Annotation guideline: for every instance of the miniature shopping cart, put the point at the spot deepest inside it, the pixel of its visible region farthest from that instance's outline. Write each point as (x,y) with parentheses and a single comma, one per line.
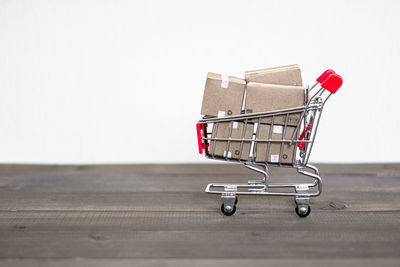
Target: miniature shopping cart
(293,148)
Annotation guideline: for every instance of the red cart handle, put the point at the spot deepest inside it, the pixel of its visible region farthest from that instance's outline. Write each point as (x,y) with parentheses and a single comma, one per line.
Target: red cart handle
(332,83)
(200,127)
(301,145)
(325,75)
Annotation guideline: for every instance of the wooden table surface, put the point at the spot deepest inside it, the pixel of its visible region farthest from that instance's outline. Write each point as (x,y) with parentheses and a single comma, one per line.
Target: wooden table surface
(159,215)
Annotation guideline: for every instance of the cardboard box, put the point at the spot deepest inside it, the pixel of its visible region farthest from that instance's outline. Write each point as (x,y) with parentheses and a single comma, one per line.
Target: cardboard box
(274,154)
(233,152)
(223,95)
(284,75)
(262,97)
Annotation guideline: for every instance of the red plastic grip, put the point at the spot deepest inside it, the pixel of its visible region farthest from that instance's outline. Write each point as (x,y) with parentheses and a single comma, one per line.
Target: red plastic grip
(199,128)
(325,75)
(301,145)
(332,83)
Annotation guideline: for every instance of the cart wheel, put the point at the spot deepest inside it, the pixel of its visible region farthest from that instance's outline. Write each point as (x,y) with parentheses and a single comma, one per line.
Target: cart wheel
(303,211)
(228,210)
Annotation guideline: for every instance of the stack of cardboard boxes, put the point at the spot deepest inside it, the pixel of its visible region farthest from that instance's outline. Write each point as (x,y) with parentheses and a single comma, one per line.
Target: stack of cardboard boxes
(261,91)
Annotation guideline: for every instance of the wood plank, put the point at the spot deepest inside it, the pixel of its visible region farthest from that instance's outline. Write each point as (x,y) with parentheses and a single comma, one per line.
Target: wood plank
(201,262)
(159,215)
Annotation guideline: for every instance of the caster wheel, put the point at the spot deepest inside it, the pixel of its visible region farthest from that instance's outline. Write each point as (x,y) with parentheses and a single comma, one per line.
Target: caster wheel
(228,210)
(303,211)
(236,200)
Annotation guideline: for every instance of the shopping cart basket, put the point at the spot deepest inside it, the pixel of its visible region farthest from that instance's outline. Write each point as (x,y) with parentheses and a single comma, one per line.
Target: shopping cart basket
(253,148)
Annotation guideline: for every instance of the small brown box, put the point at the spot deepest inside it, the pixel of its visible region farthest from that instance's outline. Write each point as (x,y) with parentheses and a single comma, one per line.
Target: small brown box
(262,97)
(285,75)
(234,146)
(223,95)
(274,153)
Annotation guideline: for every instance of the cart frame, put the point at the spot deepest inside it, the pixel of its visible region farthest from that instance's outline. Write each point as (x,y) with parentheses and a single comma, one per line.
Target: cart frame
(302,140)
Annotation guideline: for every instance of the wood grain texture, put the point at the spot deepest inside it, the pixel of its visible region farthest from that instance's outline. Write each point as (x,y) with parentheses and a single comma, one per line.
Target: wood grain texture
(158,215)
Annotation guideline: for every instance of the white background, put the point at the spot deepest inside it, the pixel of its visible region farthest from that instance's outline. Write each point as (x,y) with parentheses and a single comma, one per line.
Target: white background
(122,81)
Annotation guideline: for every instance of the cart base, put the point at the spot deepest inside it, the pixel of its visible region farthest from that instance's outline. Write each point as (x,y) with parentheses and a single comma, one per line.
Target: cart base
(301,192)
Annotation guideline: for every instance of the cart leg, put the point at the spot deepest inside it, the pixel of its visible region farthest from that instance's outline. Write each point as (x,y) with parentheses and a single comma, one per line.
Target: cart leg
(264,181)
(229,201)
